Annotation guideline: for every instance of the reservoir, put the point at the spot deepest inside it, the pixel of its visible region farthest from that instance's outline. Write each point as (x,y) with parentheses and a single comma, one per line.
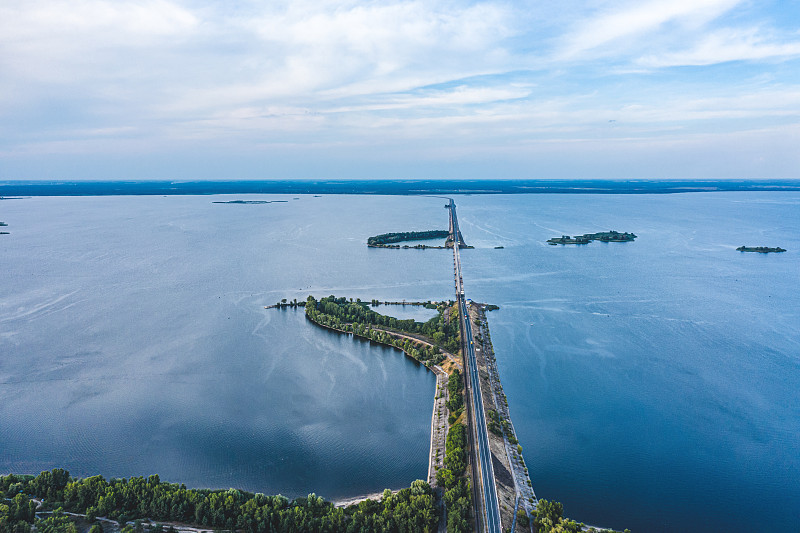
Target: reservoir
(653,384)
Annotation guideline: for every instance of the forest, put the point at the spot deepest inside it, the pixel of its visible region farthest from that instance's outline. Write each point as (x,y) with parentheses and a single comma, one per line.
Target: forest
(357,318)
(125,500)
(392,238)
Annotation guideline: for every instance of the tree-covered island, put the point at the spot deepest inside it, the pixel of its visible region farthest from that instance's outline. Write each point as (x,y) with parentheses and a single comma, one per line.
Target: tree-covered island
(760,249)
(586,238)
(390,240)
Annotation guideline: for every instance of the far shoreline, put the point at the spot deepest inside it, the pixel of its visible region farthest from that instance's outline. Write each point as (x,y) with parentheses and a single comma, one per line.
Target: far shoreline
(27,188)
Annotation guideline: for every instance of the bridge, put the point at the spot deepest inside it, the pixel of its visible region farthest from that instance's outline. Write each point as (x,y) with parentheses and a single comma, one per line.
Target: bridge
(455,233)
(487,509)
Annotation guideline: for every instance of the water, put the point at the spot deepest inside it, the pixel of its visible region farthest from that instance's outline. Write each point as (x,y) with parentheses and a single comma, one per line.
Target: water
(135,341)
(653,385)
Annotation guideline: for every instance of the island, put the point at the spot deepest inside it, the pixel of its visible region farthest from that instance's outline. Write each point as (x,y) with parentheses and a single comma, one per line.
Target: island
(252,202)
(586,238)
(389,240)
(759,249)
(566,239)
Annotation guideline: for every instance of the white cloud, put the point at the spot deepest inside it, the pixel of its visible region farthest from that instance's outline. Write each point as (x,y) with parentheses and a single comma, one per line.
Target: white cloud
(637,20)
(725,45)
(49,39)
(84,75)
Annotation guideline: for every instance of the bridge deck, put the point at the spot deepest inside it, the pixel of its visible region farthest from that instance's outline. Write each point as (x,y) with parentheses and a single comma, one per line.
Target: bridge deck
(486,503)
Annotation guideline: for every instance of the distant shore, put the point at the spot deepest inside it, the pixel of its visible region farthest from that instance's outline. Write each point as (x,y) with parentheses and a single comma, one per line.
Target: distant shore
(404,187)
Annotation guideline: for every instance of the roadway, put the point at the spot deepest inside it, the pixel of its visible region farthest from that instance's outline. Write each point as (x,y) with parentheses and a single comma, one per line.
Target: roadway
(482,456)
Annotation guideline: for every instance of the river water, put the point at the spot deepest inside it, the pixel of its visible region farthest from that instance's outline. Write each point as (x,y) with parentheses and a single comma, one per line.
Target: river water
(653,385)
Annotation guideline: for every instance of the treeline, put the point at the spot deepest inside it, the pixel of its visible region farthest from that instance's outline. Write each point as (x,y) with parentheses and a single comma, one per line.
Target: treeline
(549,518)
(455,402)
(356,317)
(457,493)
(391,238)
(411,509)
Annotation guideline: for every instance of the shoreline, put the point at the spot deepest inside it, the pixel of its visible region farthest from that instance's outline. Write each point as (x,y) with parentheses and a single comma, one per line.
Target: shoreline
(439,425)
(16,188)
(354,500)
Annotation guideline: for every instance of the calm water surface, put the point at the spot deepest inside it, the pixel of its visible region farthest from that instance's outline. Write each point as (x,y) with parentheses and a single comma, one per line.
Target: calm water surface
(654,385)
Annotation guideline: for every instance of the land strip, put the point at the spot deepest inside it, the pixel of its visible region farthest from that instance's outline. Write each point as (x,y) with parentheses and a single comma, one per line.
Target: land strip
(487,509)
(514,487)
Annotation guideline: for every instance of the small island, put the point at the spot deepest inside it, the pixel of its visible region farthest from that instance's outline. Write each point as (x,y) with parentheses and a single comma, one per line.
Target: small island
(389,240)
(759,249)
(566,239)
(586,238)
(252,202)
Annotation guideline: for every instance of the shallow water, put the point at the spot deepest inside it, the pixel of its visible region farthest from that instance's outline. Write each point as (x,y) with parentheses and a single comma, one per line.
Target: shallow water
(653,385)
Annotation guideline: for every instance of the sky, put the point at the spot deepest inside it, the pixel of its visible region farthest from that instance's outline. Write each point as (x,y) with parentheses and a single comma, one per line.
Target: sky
(204,89)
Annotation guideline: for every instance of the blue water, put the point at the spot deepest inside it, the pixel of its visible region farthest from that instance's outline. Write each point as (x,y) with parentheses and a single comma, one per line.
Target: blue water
(653,385)
(134,340)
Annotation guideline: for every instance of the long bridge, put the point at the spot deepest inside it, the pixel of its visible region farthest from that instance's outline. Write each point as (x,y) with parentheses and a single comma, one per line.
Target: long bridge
(487,508)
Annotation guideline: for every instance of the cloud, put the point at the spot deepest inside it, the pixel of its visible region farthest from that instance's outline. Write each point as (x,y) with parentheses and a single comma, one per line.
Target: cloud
(253,77)
(600,31)
(54,40)
(723,46)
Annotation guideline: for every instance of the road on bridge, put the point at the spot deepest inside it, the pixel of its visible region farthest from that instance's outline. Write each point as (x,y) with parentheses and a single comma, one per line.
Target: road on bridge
(487,505)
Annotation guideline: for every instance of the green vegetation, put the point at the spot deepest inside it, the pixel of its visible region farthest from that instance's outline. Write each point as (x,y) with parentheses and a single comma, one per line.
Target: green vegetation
(494,422)
(759,249)
(411,509)
(386,240)
(285,303)
(253,202)
(549,518)
(457,495)
(357,318)
(566,239)
(610,236)
(605,236)
(455,403)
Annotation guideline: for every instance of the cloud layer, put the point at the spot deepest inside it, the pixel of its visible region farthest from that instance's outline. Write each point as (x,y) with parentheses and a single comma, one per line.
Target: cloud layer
(249,89)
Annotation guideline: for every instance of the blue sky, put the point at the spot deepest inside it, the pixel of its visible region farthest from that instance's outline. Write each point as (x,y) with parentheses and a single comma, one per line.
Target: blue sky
(201,89)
